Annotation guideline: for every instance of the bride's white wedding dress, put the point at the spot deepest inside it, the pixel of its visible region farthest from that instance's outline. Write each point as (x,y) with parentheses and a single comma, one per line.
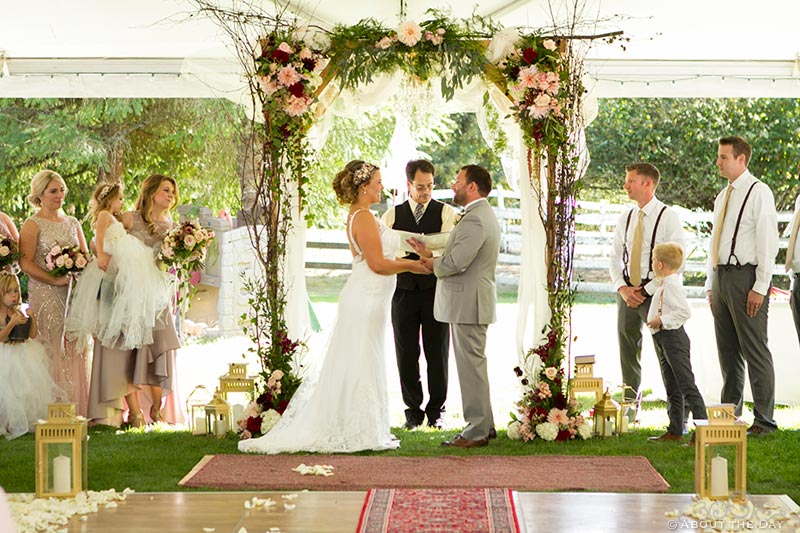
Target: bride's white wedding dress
(344,407)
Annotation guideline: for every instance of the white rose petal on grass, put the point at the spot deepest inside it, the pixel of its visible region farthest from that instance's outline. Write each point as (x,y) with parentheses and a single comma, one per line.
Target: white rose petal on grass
(289,496)
(209,529)
(289,506)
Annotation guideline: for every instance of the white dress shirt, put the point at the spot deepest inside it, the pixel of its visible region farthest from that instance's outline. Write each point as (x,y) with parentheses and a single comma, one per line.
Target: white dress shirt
(796,254)
(670,229)
(670,298)
(757,240)
(448,219)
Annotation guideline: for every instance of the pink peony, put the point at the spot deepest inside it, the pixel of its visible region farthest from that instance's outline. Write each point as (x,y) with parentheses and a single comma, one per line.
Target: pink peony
(384,43)
(409,33)
(528,77)
(541,100)
(558,417)
(296,106)
(268,85)
(288,76)
(305,53)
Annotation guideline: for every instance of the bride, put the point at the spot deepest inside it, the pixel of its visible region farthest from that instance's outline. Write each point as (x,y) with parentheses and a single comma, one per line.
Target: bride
(344,406)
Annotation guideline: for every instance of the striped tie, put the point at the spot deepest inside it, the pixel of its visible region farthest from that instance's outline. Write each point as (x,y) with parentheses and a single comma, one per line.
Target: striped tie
(418,213)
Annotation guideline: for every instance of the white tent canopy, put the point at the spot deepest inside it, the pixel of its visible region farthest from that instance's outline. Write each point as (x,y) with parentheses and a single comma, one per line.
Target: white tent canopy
(152,48)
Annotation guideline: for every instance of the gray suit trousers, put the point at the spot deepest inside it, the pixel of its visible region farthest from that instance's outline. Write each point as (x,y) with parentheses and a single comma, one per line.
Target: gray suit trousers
(740,340)
(469,343)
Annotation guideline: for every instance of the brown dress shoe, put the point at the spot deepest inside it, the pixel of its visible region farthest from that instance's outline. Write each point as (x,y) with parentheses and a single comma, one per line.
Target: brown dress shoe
(667,437)
(492,434)
(461,442)
(757,430)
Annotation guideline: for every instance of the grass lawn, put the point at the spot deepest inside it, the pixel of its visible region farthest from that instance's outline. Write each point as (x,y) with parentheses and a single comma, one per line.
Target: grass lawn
(155,461)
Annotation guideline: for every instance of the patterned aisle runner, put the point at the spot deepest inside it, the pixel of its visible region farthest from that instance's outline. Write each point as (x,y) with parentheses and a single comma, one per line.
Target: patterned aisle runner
(438,511)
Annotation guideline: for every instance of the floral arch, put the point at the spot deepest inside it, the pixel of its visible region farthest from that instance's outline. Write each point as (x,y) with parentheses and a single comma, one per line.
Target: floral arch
(295,73)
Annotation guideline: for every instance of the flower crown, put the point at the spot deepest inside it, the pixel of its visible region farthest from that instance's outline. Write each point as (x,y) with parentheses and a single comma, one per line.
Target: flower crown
(363,173)
(104,192)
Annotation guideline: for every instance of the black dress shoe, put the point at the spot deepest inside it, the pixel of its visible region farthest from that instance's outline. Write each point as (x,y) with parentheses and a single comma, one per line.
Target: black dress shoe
(411,424)
(757,430)
(492,434)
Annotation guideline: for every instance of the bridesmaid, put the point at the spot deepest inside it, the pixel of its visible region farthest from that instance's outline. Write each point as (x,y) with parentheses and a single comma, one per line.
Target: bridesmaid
(47,294)
(118,374)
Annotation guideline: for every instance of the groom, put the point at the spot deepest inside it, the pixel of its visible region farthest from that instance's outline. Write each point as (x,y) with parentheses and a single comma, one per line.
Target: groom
(466,298)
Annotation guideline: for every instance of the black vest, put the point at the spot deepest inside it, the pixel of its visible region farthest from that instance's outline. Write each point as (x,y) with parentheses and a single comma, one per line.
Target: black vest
(431,222)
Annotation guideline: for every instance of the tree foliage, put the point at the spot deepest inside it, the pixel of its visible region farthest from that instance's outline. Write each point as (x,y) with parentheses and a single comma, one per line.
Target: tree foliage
(89,140)
(680,137)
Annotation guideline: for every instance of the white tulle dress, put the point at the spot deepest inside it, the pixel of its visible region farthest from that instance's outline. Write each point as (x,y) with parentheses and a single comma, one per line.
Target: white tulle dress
(342,406)
(25,387)
(119,307)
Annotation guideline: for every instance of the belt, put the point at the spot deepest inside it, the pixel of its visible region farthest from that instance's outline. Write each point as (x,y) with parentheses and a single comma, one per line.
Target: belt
(730,266)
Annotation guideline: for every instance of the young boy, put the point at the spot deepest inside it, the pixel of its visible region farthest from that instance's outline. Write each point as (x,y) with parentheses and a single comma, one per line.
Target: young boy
(668,312)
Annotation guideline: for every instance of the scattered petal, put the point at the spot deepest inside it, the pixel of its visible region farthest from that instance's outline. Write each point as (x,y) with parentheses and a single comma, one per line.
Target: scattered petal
(289,496)
(209,529)
(289,506)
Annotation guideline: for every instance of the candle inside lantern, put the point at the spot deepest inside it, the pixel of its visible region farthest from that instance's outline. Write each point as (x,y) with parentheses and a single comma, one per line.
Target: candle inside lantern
(623,427)
(62,475)
(719,477)
(200,425)
(608,430)
(221,426)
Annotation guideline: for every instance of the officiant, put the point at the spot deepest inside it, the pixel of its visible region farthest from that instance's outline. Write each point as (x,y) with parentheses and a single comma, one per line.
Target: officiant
(412,303)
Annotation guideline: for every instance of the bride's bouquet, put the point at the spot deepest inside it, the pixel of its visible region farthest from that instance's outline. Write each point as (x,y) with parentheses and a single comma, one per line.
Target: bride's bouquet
(9,254)
(63,260)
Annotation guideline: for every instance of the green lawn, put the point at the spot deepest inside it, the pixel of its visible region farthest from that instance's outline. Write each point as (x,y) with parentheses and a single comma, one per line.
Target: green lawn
(156,461)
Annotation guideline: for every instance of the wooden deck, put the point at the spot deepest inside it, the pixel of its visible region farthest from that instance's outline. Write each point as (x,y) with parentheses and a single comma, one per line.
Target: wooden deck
(328,512)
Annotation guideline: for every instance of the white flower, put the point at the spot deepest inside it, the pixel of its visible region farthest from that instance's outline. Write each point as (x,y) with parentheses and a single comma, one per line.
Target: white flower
(268,420)
(502,44)
(547,431)
(550,44)
(513,430)
(585,431)
(551,372)
(409,33)
(4,250)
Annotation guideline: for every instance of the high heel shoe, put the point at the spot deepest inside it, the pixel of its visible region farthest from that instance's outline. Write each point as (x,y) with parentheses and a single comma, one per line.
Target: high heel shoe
(155,414)
(136,419)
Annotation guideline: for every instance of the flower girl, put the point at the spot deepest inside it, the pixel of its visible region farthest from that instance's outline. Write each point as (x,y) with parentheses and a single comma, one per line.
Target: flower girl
(27,387)
(119,296)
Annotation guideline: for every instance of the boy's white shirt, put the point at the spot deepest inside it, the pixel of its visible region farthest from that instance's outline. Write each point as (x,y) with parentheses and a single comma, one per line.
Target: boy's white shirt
(675,309)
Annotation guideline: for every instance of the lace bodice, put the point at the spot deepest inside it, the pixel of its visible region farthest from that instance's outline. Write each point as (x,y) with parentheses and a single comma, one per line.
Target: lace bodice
(51,233)
(140,230)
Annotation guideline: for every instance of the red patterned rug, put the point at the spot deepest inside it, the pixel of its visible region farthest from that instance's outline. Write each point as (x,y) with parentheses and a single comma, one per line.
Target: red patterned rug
(438,511)
(353,472)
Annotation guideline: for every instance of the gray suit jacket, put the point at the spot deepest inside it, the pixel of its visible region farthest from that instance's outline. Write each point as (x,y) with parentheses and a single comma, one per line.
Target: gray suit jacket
(466,292)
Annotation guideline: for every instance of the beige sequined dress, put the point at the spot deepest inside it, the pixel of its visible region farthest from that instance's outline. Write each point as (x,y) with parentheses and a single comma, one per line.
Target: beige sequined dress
(116,373)
(68,364)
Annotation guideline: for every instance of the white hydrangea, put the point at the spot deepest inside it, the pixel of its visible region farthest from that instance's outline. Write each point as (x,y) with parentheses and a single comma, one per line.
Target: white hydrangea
(513,430)
(547,431)
(269,418)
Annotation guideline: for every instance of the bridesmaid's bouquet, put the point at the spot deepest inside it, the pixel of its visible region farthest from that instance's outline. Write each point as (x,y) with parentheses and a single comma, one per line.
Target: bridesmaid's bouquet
(185,247)
(183,253)
(62,260)
(9,253)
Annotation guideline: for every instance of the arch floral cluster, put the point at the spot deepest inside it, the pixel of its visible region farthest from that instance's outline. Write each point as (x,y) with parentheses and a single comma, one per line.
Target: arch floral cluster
(292,69)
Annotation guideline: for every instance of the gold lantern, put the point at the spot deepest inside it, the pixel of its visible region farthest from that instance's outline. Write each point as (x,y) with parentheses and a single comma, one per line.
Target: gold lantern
(606,414)
(711,479)
(236,380)
(61,455)
(195,409)
(628,406)
(218,416)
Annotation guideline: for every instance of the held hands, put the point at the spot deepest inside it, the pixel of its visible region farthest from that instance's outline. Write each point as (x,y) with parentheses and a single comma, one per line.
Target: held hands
(421,266)
(633,296)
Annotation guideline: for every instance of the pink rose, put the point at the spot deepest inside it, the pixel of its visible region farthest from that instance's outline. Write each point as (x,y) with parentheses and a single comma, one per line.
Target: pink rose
(550,372)
(68,262)
(4,251)
(80,261)
(60,261)
(189,241)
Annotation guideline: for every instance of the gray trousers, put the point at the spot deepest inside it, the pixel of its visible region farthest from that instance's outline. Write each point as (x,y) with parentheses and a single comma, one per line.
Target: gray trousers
(676,371)
(740,340)
(469,343)
(629,334)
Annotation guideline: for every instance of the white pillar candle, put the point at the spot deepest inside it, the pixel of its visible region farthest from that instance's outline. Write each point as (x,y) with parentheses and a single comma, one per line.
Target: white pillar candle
(719,477)
(623,427)
(221,425)
(608,429)
(62,475)
(200,425)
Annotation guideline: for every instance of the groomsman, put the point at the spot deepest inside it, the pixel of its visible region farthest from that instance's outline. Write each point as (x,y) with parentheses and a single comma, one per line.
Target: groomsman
(639,229)
(744,243)
(793,264)
(412,303)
